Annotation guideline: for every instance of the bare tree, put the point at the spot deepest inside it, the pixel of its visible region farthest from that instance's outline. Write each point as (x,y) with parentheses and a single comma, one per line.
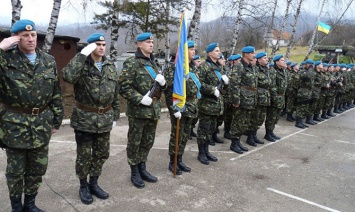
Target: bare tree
(48,40)
(276,46)
(114,30)
(270,27)
(16,11)
(292,43)
(167,35)
(195,22)
(237,23)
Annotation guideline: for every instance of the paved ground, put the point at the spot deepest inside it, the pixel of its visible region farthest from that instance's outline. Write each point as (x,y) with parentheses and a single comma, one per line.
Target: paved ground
(307,170)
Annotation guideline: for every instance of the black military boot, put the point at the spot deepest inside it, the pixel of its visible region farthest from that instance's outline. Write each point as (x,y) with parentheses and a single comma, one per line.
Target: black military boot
(211,141)
(209,156)
(171,166)
(30,205)
(324,115)
(330,113)
(316,117)
(250,139)
(202,155)
(290,117)
(95,188)
(256,139)
(268,136)
(275,136)
(306,126)
(243,148)
(351,105)
(145,174)
(336,109)
(345,107)
(310,121)
(84,192)
(216,139)
(340,108)
(182,165)
(16,204)
(136,178)
(299,123)
(235,147)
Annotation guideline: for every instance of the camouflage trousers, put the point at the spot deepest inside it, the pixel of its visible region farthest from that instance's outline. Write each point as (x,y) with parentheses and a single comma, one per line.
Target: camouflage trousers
(272,117)
(228,116)
(184,132)
(207,125)
(92,151)
(259,116)
(241,121)
(338,99)
(141,135)
(194,122)
(290,104)
(25,168)
(328,103)
(320,103)
(302,110)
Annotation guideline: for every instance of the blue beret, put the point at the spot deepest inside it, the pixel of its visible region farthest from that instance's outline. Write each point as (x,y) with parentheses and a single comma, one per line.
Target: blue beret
(23,25)
(309,61)
(210,47)
(248,49)
(278,57)
(196,57)
(325,64)
(190,44)
(289,63)
(260,55)
(343,65)
(271,64)
(293,64)
(96,37)
(234,57)
(336,65)
(221,56)
(303,62)
(144,36)
(330,64)
(317,63)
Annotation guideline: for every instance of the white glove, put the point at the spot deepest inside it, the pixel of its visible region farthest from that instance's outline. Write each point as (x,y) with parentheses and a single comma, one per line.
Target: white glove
(177,115)
(160,79)
(225,79)
(146,100)
(114,124)
(88,49)
(216,92)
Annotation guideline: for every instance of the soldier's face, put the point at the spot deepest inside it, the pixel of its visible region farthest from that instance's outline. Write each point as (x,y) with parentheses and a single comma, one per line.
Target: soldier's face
(28,41)
(331,68)
(100,49)
(191,53)
(249,57)
(263,61)
(146,46)
(281,63)
(296,68)
(215,54)
(222,61)
(197,62)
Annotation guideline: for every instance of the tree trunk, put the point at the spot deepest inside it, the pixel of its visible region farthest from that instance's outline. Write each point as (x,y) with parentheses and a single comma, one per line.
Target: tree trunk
(167,36)
(276,46)
(236,27)
(291,44)
(271,28)
(48,40)
(195,22)
(311,42)
(16,11)
(114,31)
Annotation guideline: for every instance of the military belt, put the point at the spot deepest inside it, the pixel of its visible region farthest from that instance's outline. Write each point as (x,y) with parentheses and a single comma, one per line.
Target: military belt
(190,98)
(99,110)
(248,88)
(32,111)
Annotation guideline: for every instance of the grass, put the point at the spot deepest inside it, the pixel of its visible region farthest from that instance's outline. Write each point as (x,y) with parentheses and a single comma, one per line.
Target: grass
(297,54)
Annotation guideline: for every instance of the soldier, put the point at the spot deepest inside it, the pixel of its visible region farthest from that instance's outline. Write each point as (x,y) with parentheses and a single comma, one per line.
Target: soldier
(33,111)
(95,81)
(243,89)
(143,106)
(288,72)
(330,94)
(316,94)
(192,95)
(291,91)
(304,93)
(210,106)
(321,106)
(197,62)
(277,91)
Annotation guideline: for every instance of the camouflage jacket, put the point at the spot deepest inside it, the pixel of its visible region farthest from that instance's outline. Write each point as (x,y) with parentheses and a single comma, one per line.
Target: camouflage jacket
(292,83)
(135,82)
(243,85)
(94,88)
(24,85)
(340,84)
(191,92)
(318,81)
(278,88)
(264,84)
(349,85)
(305,84)
(209,103)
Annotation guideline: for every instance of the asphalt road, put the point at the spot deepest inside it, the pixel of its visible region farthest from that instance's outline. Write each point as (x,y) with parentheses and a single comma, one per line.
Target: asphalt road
(307,170)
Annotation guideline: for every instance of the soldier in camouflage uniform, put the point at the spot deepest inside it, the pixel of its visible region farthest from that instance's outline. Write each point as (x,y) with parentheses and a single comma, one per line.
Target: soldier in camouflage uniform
(186,117)
(304,94)
(316,94)
(352,93)
(324,92)
(210,106)
(329,100)
(349,88)
(95,81)
(243,89)
(277,91)
(292,79)
(197,62)
(33,111)
(138,75)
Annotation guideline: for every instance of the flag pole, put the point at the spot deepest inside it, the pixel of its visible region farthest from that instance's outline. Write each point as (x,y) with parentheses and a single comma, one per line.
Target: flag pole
(177,134)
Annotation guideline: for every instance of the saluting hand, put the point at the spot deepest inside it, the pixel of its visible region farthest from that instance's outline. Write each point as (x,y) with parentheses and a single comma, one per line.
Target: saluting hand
(8,42)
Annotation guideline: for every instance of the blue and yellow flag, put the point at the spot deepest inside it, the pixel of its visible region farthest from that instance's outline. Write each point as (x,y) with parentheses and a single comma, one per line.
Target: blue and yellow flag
(181,68)
(323,27)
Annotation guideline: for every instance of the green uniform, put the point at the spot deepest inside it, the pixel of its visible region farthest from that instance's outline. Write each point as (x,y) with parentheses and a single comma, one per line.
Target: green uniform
(316,93)
(32,100)
(135,82)
(293,80)
(93,89)
(304,94)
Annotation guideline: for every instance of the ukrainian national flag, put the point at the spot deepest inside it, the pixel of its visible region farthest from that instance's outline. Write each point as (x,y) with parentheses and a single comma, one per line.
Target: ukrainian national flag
(181,68)
(323,27)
